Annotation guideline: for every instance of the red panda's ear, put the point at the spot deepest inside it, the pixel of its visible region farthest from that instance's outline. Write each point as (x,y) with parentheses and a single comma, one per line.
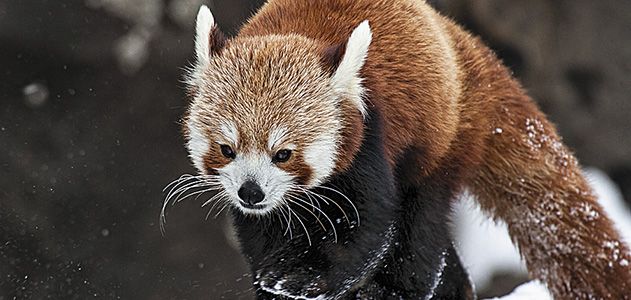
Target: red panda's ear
(332,56)
(346,62)
(209,40)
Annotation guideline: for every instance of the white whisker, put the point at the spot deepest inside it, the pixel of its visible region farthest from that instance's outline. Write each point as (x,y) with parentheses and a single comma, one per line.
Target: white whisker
(222,208)
(180,189)
(185,194)
(301,223)
(318,219)
(346,198)
(182,178)
(219,200)
(288,218)
(218,195)
(280,209)
(324,198)
(289,214)
(293,200)
(200,193)
(177,189)
(187,177)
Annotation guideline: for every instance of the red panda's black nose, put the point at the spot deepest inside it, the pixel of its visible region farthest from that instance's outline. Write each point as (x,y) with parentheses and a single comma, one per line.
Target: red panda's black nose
(251,193)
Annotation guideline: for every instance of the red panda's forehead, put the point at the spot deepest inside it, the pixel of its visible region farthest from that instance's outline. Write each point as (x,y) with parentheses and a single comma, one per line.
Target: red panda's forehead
(266,85)
(266,69)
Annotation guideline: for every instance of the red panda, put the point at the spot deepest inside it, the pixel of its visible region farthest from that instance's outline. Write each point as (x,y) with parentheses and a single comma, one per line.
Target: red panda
(282,108)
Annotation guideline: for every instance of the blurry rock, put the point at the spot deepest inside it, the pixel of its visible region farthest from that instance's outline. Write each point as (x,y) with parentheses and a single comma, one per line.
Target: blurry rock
(35,94)
(132,50)
(183,12)
(146,13)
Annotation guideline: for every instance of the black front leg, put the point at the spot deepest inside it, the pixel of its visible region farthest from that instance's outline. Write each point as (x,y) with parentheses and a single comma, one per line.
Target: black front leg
(329,271)
(422,263)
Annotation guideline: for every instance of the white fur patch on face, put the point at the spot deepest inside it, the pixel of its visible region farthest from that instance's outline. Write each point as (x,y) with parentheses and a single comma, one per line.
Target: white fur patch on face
(346,80)
(257,167)
(230,133)
(276,137)
(320,155)
(197,145)
(205,24)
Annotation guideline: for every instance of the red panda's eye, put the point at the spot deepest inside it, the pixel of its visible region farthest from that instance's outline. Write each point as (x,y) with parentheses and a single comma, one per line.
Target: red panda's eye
(282,155)
(227,151)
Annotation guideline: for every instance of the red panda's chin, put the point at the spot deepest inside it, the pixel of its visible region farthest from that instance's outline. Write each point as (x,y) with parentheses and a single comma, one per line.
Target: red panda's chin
(256,209)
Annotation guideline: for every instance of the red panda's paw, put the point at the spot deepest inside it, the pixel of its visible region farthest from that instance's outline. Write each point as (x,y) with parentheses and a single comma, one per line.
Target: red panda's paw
(296,283)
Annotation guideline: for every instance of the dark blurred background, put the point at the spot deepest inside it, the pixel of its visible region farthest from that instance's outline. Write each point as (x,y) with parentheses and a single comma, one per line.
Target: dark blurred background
(91,95)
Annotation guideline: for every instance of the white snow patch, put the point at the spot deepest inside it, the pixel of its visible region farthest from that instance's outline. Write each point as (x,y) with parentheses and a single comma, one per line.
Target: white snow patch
(284,293)
(484,246)
(610,197)
(533,290)
(279,285)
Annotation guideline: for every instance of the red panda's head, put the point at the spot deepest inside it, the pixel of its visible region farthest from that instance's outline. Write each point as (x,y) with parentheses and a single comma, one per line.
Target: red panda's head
(267,113)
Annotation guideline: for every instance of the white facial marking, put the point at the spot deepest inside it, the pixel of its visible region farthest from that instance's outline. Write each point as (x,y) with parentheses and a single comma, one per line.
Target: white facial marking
(230,133)
(205,24)
(197,145)
(346,80)
(276,137)
(320,155)
(257,167)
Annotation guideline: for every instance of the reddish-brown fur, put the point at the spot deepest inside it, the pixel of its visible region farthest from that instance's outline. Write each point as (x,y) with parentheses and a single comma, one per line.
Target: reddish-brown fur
(443,92)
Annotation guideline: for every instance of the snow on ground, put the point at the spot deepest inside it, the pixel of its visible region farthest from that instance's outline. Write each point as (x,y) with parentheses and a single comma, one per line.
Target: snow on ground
(533,290)
(611,199)
(485,247)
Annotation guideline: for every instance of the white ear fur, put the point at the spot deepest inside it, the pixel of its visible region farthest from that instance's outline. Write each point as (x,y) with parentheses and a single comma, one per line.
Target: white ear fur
(346,79)
(205,24)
